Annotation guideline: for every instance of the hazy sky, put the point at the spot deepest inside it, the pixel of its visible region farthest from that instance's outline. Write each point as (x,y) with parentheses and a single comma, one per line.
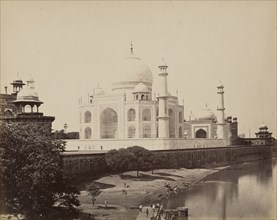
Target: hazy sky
(70,46)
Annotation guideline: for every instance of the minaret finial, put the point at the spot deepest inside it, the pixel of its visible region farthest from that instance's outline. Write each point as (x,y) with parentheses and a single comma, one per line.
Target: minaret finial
(163,62)
(132,48)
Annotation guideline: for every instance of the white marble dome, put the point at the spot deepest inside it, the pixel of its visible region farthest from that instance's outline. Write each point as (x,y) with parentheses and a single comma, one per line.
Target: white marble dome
(28,93)
(141,88)
(206,114)
(130,71)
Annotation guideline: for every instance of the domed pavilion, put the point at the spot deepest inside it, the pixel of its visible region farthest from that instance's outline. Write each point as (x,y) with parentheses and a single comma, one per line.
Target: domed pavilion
(27,105)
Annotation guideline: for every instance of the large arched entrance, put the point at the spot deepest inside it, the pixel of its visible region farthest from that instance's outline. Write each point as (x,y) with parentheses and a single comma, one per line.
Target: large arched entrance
(201,133)
(108,123)
(171,123)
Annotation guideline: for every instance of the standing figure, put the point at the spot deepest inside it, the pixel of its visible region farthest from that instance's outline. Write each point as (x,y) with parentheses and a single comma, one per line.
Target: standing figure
(106,203)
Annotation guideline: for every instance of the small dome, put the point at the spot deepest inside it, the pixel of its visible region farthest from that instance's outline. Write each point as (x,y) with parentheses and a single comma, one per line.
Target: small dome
(28,93)
(98,91)
(206,114)
(141,88)
(263,126)
(192,117)
(17,82)
(220,85)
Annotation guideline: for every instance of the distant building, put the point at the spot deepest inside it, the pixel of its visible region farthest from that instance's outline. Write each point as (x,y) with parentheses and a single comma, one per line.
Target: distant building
(202,126)
(205,125)
(22,105)
(263,137)
(131,114)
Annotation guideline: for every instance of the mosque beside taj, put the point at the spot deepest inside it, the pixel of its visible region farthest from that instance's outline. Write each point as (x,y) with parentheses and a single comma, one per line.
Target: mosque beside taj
(132,114)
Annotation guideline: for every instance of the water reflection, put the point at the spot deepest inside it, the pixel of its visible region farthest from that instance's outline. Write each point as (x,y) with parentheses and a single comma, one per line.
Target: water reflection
(242,191)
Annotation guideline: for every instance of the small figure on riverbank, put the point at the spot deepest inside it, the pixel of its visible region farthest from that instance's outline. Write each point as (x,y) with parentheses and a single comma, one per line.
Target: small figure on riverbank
(140,207)
(124,192)
(147,212)
(161,210)
(172,217)
(106,203)
(124,185)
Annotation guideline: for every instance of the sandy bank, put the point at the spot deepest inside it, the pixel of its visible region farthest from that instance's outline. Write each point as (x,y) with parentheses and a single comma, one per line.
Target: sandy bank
(144,190)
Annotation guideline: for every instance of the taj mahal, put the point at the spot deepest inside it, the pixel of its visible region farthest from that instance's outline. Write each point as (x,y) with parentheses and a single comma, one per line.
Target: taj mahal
(132,114)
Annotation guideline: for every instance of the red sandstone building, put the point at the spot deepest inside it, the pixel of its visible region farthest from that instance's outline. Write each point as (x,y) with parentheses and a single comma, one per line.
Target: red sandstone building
(22,105)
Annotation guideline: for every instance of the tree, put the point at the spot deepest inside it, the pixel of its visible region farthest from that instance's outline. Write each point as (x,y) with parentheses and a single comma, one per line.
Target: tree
(133,158)
(157,161)
(118,160)
(94,191)
(59,134)
(140,159)
(65,135)
(31,178)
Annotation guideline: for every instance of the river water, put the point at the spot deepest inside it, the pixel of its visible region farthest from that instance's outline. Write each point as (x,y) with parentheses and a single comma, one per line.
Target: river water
(244,191)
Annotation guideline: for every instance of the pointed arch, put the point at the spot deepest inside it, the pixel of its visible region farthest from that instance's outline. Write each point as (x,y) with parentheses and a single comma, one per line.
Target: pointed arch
(131,114)
(87,133)
(108,123)
(171,115)
(180,132)
(87,117)
(201,133)
(180,117)
(146,114)
(131,131)
(146,131)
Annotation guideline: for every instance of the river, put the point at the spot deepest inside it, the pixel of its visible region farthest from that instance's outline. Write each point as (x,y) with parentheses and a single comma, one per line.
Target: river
(243,191)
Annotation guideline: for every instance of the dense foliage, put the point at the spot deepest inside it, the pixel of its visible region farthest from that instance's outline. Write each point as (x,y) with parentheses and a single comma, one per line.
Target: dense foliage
(65,135)
(31,179)
(133,158)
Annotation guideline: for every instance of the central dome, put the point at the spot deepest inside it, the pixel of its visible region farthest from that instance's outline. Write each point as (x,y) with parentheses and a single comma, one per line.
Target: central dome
(206,114)
(131,71)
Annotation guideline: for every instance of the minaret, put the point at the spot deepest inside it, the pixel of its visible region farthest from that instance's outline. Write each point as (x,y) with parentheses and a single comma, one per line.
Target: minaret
(163,96)
(220,109)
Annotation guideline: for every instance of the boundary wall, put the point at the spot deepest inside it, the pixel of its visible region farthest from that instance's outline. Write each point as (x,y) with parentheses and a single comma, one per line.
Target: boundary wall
(79,166)
(148,143)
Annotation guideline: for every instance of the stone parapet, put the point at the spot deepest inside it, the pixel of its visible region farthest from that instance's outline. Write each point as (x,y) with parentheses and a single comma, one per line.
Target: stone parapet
(148,143)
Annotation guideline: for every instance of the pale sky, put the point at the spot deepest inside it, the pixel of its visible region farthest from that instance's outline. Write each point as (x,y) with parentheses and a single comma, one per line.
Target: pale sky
(70,46)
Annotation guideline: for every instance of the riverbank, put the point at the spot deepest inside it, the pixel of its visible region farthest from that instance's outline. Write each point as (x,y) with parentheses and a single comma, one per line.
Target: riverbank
(125,192)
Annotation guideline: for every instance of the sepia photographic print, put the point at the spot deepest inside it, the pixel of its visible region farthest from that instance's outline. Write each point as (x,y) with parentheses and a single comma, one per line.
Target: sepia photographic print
(138,110)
